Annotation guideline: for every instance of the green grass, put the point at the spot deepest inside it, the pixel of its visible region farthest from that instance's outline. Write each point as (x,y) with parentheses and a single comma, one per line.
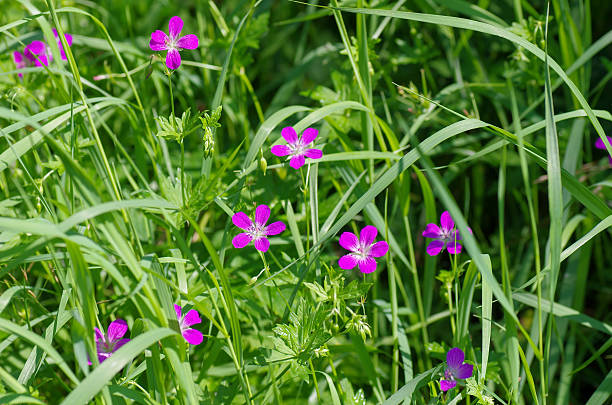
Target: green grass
(111,208)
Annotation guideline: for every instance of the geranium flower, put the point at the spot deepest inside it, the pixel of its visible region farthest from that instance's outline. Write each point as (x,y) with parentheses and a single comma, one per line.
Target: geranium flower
(59,43)
(20,61)
(192,336)
(364,250)
(298,147)
(258,231)
(444,235)
(37,54)
(600,145)
(455,369)
(108,344)
(173,44)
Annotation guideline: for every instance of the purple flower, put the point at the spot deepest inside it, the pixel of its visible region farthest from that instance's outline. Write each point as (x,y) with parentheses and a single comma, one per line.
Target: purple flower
(59,43)
(192,336)
(113,340)
(600,145)
(364,250)
(20,62)
(298,147)
(173,44)
(445,236)
(455,369)
(37,53)
(257,231)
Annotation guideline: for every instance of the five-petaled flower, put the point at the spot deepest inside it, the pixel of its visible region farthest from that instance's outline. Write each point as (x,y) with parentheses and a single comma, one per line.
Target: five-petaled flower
(298,148)
(192,336)
(455,369)
(363,250)
(258,231)
(173,44)
(113,340)
(445,235)
(599,144)
(37,53)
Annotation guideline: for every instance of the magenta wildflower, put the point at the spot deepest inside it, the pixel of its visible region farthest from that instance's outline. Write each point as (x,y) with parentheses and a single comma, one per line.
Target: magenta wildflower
(599,144)
(37,54)
(364,250)
(258,231)
(59,43)
(173,44)
(298,147)
(455,369)
(113,340)
(192,336)
(445,235)
(20,62)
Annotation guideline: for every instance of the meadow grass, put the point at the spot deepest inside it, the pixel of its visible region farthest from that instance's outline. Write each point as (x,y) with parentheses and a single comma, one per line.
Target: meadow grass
(125,182)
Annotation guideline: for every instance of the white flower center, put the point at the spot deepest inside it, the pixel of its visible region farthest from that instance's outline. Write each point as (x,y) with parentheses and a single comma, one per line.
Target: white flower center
(257,231)
(298,148)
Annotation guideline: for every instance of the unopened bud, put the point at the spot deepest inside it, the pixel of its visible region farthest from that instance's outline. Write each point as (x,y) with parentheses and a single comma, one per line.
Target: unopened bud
(263,164)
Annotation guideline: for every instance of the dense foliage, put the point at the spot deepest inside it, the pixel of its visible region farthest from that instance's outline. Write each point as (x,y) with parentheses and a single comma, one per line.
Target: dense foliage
(273,201)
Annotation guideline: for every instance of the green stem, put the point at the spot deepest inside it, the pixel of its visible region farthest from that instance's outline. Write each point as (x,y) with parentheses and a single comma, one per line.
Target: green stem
(314,377)
(183,197)
(171,95)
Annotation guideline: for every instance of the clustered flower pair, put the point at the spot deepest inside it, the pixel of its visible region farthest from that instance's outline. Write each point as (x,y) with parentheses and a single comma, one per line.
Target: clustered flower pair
(363,249)
(109,343)
(38,53)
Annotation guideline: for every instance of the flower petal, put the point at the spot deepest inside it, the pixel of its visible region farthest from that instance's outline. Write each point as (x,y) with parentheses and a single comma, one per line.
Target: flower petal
(464,371)
(173,59)
(275,228)
(99,335)
(297,161)
(193,336)
(289,134)
(435,247)
(349,241)
(367,235)
(454,358)
(446,385)
(175,26)
(309,135)
(314,153)
(68,37)
(188,42)
(158,41)
(241,220)
(347,262)
(192,317)
(179,311)
(241,240)
(103,356)
(446,221)
(379,249)
(453,248)
(262,244)
(281,150)
(36,53)
(432,231)
(262,214)
(116,330)
(368,265)
(18,58)
(120,343)
(599,144)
